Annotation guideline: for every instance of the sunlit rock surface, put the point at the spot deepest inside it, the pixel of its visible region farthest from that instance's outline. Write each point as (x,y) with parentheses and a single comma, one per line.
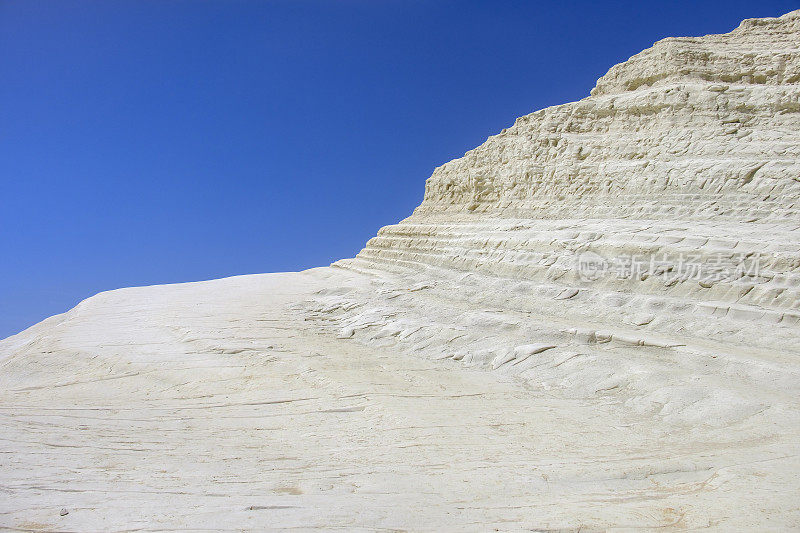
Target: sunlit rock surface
(592,321)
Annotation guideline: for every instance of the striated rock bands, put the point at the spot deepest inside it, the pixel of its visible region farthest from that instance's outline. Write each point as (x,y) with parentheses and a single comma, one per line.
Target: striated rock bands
(679,178)
(591,322)
(677,131)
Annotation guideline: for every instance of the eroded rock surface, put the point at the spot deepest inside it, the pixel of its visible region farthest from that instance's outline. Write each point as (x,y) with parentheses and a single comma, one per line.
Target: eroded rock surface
(592,321)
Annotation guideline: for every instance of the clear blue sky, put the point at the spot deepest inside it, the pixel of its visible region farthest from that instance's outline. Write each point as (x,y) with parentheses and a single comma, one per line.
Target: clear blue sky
(146,142)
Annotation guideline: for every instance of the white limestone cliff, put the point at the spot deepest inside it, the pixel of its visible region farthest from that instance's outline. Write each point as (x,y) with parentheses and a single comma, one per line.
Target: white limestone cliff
(591,321)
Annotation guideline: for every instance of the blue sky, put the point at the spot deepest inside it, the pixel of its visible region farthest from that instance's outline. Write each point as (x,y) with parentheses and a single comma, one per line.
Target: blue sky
(146,142)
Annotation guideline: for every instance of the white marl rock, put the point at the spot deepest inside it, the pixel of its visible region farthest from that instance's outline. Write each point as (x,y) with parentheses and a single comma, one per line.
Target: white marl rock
(591,322)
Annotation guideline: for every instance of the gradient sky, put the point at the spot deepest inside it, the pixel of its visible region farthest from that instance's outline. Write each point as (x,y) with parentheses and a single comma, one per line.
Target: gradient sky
(146,142)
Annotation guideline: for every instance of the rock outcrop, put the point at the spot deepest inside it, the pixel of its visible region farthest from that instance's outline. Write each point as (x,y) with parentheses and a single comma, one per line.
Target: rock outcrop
(596,313)
(663,210)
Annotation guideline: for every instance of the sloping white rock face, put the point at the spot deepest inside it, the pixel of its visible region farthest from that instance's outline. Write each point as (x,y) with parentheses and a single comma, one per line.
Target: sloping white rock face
(592,321)
(663,211)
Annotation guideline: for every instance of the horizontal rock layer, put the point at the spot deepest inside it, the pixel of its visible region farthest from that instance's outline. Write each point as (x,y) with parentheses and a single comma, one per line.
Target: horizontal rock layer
(592,321)
(673,191)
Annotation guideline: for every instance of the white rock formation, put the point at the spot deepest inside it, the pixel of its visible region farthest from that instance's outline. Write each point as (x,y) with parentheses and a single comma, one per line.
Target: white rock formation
(592,321)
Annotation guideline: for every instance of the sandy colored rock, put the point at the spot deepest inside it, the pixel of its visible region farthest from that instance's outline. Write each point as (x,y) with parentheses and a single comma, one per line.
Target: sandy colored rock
(591,322)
